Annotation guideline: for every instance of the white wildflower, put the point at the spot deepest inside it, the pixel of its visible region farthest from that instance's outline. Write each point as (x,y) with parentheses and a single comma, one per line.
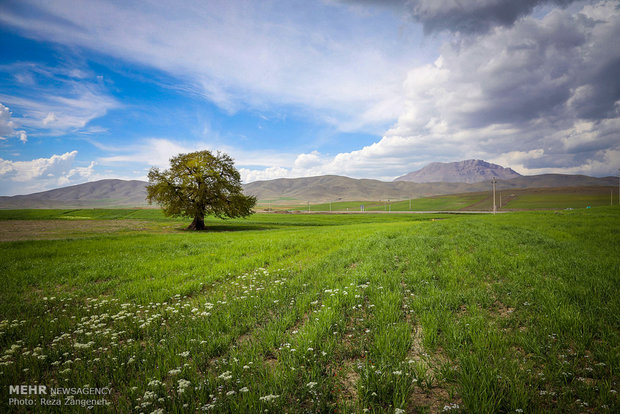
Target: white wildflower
(269,397)
(149,395)
(225,376)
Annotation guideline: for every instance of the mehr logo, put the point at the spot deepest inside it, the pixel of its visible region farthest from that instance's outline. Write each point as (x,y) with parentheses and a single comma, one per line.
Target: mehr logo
(27,389)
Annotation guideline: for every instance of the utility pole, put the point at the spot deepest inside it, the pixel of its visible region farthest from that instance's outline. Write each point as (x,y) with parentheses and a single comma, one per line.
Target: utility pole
(308,206)
(494,207)
(409,204)
(330,206)
(500,200)
(619,187)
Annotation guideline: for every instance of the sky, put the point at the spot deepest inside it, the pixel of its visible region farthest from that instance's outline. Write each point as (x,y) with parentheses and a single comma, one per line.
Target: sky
(91,90)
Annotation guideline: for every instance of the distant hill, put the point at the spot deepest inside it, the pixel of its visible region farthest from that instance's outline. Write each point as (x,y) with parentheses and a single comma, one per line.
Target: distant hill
(96,194)
(468,171)
(119,193)
(338,188)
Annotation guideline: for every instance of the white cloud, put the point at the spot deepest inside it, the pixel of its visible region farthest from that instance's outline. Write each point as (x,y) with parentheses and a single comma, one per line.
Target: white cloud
(69,113)
(7,125)
(50,118)
(534,93)
(598,166)
(24,177)
(155,152)
(516,159)
(305,161)
(271,173)
(56,101)
(530,96)
(345,68)
(24,171)
(537,96)
(23,137)
(79,173)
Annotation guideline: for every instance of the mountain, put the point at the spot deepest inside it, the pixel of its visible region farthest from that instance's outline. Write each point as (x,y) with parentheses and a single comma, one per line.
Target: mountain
(119,193)
(468,171)
(337,188)
(96,194)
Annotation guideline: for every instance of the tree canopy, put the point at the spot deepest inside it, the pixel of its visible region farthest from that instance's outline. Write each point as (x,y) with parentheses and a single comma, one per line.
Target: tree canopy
(199,184)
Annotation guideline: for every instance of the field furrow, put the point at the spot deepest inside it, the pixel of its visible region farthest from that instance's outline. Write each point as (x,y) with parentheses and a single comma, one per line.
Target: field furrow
(468,314)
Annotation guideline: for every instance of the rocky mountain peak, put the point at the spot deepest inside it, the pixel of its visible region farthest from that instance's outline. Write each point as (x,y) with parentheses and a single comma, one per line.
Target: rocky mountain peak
(468,171)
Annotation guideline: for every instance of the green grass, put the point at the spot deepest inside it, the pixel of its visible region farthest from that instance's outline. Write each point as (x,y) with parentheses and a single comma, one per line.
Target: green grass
(560,200)
(438,203)
(517,199)
(320,313)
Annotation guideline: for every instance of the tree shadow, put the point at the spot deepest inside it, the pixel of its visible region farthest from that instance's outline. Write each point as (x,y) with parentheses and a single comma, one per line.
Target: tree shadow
(227,228)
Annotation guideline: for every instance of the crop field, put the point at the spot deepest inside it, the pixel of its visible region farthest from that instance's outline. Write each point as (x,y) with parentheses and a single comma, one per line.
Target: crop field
(516,199)
(447,202)
(305,313)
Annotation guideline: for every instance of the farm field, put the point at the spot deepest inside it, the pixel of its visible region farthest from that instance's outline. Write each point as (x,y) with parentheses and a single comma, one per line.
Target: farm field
(514,199)
(293,313)
(447,202)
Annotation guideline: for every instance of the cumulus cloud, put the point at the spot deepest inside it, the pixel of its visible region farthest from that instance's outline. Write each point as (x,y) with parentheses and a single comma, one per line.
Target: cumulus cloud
(271,173)
(23,177)
(540,96)
(306,161)
(8,125)
(539,85)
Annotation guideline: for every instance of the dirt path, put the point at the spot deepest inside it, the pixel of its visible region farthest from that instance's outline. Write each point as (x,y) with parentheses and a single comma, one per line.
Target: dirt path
(14,230)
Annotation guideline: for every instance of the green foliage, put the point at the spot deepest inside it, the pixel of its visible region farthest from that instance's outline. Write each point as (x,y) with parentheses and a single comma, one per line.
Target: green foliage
(199,184)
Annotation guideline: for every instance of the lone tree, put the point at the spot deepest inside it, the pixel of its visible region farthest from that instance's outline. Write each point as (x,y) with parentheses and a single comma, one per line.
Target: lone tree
(199,184)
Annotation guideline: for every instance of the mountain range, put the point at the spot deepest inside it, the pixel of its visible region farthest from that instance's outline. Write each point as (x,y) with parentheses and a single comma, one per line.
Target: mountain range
(474,176)
(101,194)
(337,188)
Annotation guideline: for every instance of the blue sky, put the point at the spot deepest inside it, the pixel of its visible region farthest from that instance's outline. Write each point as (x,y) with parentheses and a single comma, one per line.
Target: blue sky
(367,89)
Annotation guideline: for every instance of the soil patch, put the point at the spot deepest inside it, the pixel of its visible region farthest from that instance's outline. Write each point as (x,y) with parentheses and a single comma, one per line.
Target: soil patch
(15,230)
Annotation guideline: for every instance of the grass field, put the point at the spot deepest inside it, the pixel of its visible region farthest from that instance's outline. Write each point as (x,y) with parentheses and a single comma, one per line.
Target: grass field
(517,199)
(291,313)
(447,202)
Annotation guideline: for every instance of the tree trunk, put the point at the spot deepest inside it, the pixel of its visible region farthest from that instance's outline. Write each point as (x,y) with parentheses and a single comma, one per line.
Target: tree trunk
(197,224)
